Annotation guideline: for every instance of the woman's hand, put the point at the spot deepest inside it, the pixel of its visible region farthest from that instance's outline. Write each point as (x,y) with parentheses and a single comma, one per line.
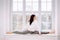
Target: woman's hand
(40,33)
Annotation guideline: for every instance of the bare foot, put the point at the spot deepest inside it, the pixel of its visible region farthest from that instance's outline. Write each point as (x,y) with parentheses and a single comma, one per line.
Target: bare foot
(9,32)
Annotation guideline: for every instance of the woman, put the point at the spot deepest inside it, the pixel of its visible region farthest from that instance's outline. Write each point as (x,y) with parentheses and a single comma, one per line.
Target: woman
(33,24)
(32,27)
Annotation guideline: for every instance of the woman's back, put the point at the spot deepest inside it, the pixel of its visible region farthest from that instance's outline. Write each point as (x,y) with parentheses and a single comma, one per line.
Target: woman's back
(34,26)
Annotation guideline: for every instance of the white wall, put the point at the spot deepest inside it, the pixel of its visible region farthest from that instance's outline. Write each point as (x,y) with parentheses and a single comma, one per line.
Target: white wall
(5,13)
(58,19)
(58,16)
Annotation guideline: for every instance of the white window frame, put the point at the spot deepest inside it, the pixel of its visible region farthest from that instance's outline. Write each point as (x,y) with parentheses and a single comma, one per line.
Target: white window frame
(54,3)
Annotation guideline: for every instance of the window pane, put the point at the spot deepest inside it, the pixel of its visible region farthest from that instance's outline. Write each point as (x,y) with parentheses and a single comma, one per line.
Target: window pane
(15,6)
(14,0)
(20,6)
(35,6)
(43,6)
(46,0)
(49,6)
(46,17)
(35,0)
(46,21)
(29,1)
(17,22)
(20,0)
(31,5)
(43,0)
(49,0)
(46,26)
(28,6)
(46,6)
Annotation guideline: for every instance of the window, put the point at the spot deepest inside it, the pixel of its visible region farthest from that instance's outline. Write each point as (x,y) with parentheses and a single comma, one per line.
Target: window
(22,9)
(17,5)
(47,15)
(46,5)
(31,5)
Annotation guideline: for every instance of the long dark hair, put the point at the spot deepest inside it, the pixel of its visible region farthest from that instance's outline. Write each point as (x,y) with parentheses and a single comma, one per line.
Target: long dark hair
(31,18)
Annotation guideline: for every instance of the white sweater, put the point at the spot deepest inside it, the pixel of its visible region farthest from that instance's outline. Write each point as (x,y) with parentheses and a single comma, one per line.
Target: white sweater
(34,26)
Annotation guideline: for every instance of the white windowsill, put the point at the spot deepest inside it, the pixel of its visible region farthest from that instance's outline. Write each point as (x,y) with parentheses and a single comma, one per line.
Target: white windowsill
(30,34)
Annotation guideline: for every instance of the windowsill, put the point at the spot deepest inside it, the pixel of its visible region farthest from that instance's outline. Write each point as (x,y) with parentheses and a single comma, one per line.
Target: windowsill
(13,34)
